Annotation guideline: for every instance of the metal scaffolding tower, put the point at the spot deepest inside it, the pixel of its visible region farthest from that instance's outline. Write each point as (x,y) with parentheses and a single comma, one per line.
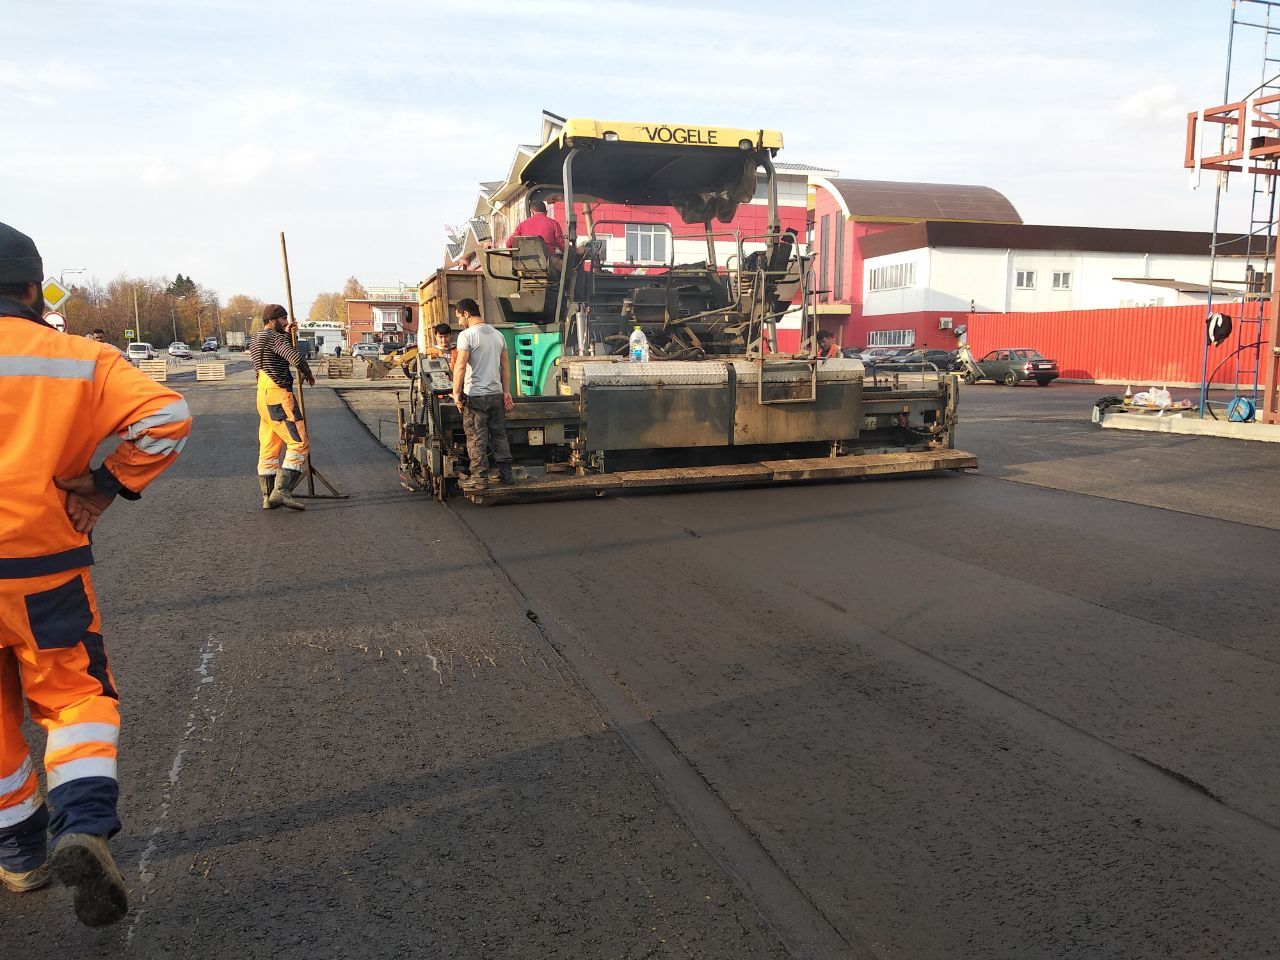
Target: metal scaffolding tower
(1248,144)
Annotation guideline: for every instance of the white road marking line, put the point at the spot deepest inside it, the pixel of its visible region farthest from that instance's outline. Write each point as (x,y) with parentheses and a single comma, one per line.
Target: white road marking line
(200,715)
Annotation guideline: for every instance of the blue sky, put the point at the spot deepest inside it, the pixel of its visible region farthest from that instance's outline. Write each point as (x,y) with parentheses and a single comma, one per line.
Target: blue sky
(166,137)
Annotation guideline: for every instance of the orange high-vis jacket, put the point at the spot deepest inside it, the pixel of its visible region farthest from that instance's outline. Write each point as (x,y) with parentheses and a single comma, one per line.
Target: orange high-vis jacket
(61,396)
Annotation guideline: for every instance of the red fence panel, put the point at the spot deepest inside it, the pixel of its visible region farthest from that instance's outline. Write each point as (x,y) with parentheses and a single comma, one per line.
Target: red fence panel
(1139,345)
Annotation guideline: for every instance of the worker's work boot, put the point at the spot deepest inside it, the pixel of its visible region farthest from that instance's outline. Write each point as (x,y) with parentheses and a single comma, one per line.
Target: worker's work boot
(282,495)
(265,484)
(84,863)
(505,476)
(473,483)
(16,881)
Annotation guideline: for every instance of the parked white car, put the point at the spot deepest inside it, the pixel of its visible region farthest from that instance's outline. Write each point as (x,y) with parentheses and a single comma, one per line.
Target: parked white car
(179,349)
(141,351)
(366,351)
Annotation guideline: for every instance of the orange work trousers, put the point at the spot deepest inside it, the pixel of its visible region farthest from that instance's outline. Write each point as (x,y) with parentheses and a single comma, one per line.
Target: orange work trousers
(280,430)
(53,662)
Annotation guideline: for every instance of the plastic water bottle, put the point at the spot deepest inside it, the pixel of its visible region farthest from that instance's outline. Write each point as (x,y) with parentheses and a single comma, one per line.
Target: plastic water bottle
(639,346)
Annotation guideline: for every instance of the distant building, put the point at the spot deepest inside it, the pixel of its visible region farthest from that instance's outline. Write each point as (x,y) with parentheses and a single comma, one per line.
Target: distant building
(387,315)
(921,281)
(903,264)
(325,334)
(845,212)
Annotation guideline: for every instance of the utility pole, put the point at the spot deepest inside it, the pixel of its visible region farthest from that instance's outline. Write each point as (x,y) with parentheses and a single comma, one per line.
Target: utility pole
(173,315)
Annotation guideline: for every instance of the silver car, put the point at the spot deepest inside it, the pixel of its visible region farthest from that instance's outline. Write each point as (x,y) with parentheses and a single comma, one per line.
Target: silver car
(140,351)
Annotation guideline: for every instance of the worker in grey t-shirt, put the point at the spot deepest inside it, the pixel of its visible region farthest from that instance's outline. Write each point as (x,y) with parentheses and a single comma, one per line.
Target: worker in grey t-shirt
(482,391)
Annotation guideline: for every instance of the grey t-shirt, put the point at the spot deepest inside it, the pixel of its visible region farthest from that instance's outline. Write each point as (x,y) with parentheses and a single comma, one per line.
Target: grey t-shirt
(485,347)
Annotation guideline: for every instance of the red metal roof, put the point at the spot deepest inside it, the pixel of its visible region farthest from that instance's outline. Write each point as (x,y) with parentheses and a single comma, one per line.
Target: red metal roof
(890,200)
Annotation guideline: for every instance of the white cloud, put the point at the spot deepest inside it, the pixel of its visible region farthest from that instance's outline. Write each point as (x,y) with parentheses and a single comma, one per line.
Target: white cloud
(157,173)
(239,166)
(1160,103)
(41,78)
(255,108)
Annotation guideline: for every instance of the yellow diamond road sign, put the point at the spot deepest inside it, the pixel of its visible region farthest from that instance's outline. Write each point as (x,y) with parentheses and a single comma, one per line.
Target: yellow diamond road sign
(54,293)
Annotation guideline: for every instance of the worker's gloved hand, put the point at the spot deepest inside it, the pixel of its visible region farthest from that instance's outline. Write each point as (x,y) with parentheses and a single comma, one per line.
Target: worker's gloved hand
(304,371)
(85,502)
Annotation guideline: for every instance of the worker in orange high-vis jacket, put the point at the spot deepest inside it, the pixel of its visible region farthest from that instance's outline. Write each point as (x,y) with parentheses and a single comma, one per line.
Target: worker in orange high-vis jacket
(60,397)
(281,429)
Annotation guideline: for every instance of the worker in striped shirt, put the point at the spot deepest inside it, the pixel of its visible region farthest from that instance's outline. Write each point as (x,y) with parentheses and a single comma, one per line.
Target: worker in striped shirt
(281,429)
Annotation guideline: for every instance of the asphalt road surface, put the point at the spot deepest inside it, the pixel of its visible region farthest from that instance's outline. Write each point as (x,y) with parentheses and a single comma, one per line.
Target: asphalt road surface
(964,716)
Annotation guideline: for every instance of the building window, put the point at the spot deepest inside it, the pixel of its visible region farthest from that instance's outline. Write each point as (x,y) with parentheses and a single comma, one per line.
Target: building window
(647,242)
(1026,280)
(896,276)
(824,235)
(388,319)
(1257,281)
(891,338)
(839,271)
(1061,279)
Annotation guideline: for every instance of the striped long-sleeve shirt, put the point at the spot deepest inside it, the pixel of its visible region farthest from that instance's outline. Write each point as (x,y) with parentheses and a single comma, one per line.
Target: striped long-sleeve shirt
(273,352)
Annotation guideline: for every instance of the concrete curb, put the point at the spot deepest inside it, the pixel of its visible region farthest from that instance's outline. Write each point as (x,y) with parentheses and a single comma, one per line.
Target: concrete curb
(1190,426)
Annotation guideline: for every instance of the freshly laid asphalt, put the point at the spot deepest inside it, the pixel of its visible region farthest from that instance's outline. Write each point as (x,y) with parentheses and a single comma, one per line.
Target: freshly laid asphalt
(1026,712)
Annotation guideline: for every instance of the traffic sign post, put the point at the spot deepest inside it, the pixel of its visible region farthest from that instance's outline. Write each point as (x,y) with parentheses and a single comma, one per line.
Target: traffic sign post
(128,334)
(57,321)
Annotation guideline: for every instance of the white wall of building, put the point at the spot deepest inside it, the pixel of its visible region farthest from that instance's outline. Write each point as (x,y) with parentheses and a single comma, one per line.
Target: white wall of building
(948,278)
(327,336)
(915,267)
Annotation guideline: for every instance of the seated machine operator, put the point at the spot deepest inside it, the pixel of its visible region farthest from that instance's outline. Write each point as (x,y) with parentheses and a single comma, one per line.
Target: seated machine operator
(539,224)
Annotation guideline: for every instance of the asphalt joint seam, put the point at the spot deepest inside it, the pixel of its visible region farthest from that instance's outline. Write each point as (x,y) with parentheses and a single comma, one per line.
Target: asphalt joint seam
(1182,780)
(801,925)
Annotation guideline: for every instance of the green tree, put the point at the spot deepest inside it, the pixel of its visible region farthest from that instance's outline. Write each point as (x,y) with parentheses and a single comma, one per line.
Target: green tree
(181,287)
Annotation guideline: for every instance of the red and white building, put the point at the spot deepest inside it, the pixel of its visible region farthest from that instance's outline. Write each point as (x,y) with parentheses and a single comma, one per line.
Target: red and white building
(918,264)
(846,213)
(388,314)
(921,282)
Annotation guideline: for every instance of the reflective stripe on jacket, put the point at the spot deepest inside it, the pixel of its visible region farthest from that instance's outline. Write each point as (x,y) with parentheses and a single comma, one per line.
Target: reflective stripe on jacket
(60,396)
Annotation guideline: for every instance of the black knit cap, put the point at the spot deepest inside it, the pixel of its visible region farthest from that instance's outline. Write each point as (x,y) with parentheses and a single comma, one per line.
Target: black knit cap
(19,259)
(273,311)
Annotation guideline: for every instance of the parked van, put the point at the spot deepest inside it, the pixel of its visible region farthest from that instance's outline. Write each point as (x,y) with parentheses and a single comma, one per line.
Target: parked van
(141,351)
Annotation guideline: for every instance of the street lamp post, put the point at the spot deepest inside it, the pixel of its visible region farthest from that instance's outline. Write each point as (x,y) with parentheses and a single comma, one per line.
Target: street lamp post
(66,310)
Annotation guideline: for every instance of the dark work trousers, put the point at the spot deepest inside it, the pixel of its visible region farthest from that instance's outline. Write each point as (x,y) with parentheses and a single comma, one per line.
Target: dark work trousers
(484,420)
